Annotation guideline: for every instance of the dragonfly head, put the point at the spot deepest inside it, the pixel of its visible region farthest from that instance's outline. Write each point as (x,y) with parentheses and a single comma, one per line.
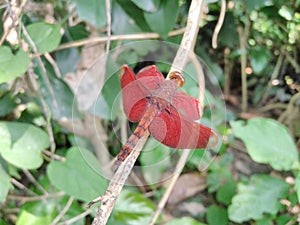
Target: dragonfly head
(177,77)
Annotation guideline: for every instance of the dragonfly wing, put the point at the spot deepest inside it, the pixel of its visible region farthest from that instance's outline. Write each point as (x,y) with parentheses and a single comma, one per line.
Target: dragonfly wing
(151,77)
(174,130)
(186,105)
(134,95)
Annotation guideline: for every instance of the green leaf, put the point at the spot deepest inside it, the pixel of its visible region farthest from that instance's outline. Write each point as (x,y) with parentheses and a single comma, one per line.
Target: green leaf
(226,192)
(122,21)
(297,186)
(184,221)
(92,11)
(39,212)
(79,176)
(57,94)
(286,12)
(216,215)
(228,34)
(2,222)
(267,141)
(220,176)
(155,159)
(12,65)
(259,59)
(4,183)
(264,221)
(8,103)
(21,144)
(133,208)
(164,19)
(257,4)
(261,195)
(147,5)
(45,36)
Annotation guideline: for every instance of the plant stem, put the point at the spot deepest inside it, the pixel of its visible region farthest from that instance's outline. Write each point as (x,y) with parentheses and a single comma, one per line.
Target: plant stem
(243,35)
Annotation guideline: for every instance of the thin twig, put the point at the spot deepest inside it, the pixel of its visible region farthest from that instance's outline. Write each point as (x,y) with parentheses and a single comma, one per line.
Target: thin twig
(293,62)
(115,186)
(35,198)
(43,102)
(188,40)
(227,71)
(76,218)
(201,82)
(22,186)
(63,212)
(54,156)
(53,64)
(124,37)
(219,24)
(243,36)
(34,181)
(108,29)
(274,75)
(181,163)
(290,108)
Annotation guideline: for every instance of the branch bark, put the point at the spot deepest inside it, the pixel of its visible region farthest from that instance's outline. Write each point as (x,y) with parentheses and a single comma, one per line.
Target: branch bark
(115,186)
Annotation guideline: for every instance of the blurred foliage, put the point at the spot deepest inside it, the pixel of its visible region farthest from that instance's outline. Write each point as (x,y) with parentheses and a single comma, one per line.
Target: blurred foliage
(50,47)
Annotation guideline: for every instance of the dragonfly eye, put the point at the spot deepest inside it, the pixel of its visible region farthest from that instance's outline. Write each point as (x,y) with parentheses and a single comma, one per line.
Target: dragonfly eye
(177,77)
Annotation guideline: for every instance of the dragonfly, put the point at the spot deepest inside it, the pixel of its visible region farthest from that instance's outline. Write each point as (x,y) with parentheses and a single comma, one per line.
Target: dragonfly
(157,105)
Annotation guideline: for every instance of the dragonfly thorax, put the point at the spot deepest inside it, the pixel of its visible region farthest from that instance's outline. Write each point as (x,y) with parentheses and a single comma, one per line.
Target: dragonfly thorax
(162,96)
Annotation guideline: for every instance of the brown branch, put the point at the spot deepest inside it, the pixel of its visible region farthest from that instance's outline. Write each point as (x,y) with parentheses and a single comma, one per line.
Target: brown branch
(63,212)
(34,181)
(179,167)
(108,29)
(189,38)
(110,196)
(35,198)
(188,41)
(124,37)
(243,36)
(219,24)
(115,186)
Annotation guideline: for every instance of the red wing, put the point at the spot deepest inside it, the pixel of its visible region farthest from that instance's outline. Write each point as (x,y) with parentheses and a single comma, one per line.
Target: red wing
(133,94)
(186,105)
(150,76)
(173,130)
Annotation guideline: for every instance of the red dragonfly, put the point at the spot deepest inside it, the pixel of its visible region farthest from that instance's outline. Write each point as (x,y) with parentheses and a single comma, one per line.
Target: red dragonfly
(157,105)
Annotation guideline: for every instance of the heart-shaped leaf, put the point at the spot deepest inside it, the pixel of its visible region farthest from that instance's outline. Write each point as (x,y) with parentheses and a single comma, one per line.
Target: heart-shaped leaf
(79,176)
(164,19)
(260,196)
(147,5)
(21,144)
(267,141)
(12,65)
(259,59)
(45,36)
(4,184)
(93,11)
(216,215)
(133,208)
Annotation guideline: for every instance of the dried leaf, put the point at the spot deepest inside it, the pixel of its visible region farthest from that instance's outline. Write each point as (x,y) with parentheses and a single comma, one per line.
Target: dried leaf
(187,186)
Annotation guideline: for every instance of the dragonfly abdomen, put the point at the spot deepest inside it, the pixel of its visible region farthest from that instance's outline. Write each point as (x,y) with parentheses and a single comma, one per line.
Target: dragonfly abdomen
(139,131)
